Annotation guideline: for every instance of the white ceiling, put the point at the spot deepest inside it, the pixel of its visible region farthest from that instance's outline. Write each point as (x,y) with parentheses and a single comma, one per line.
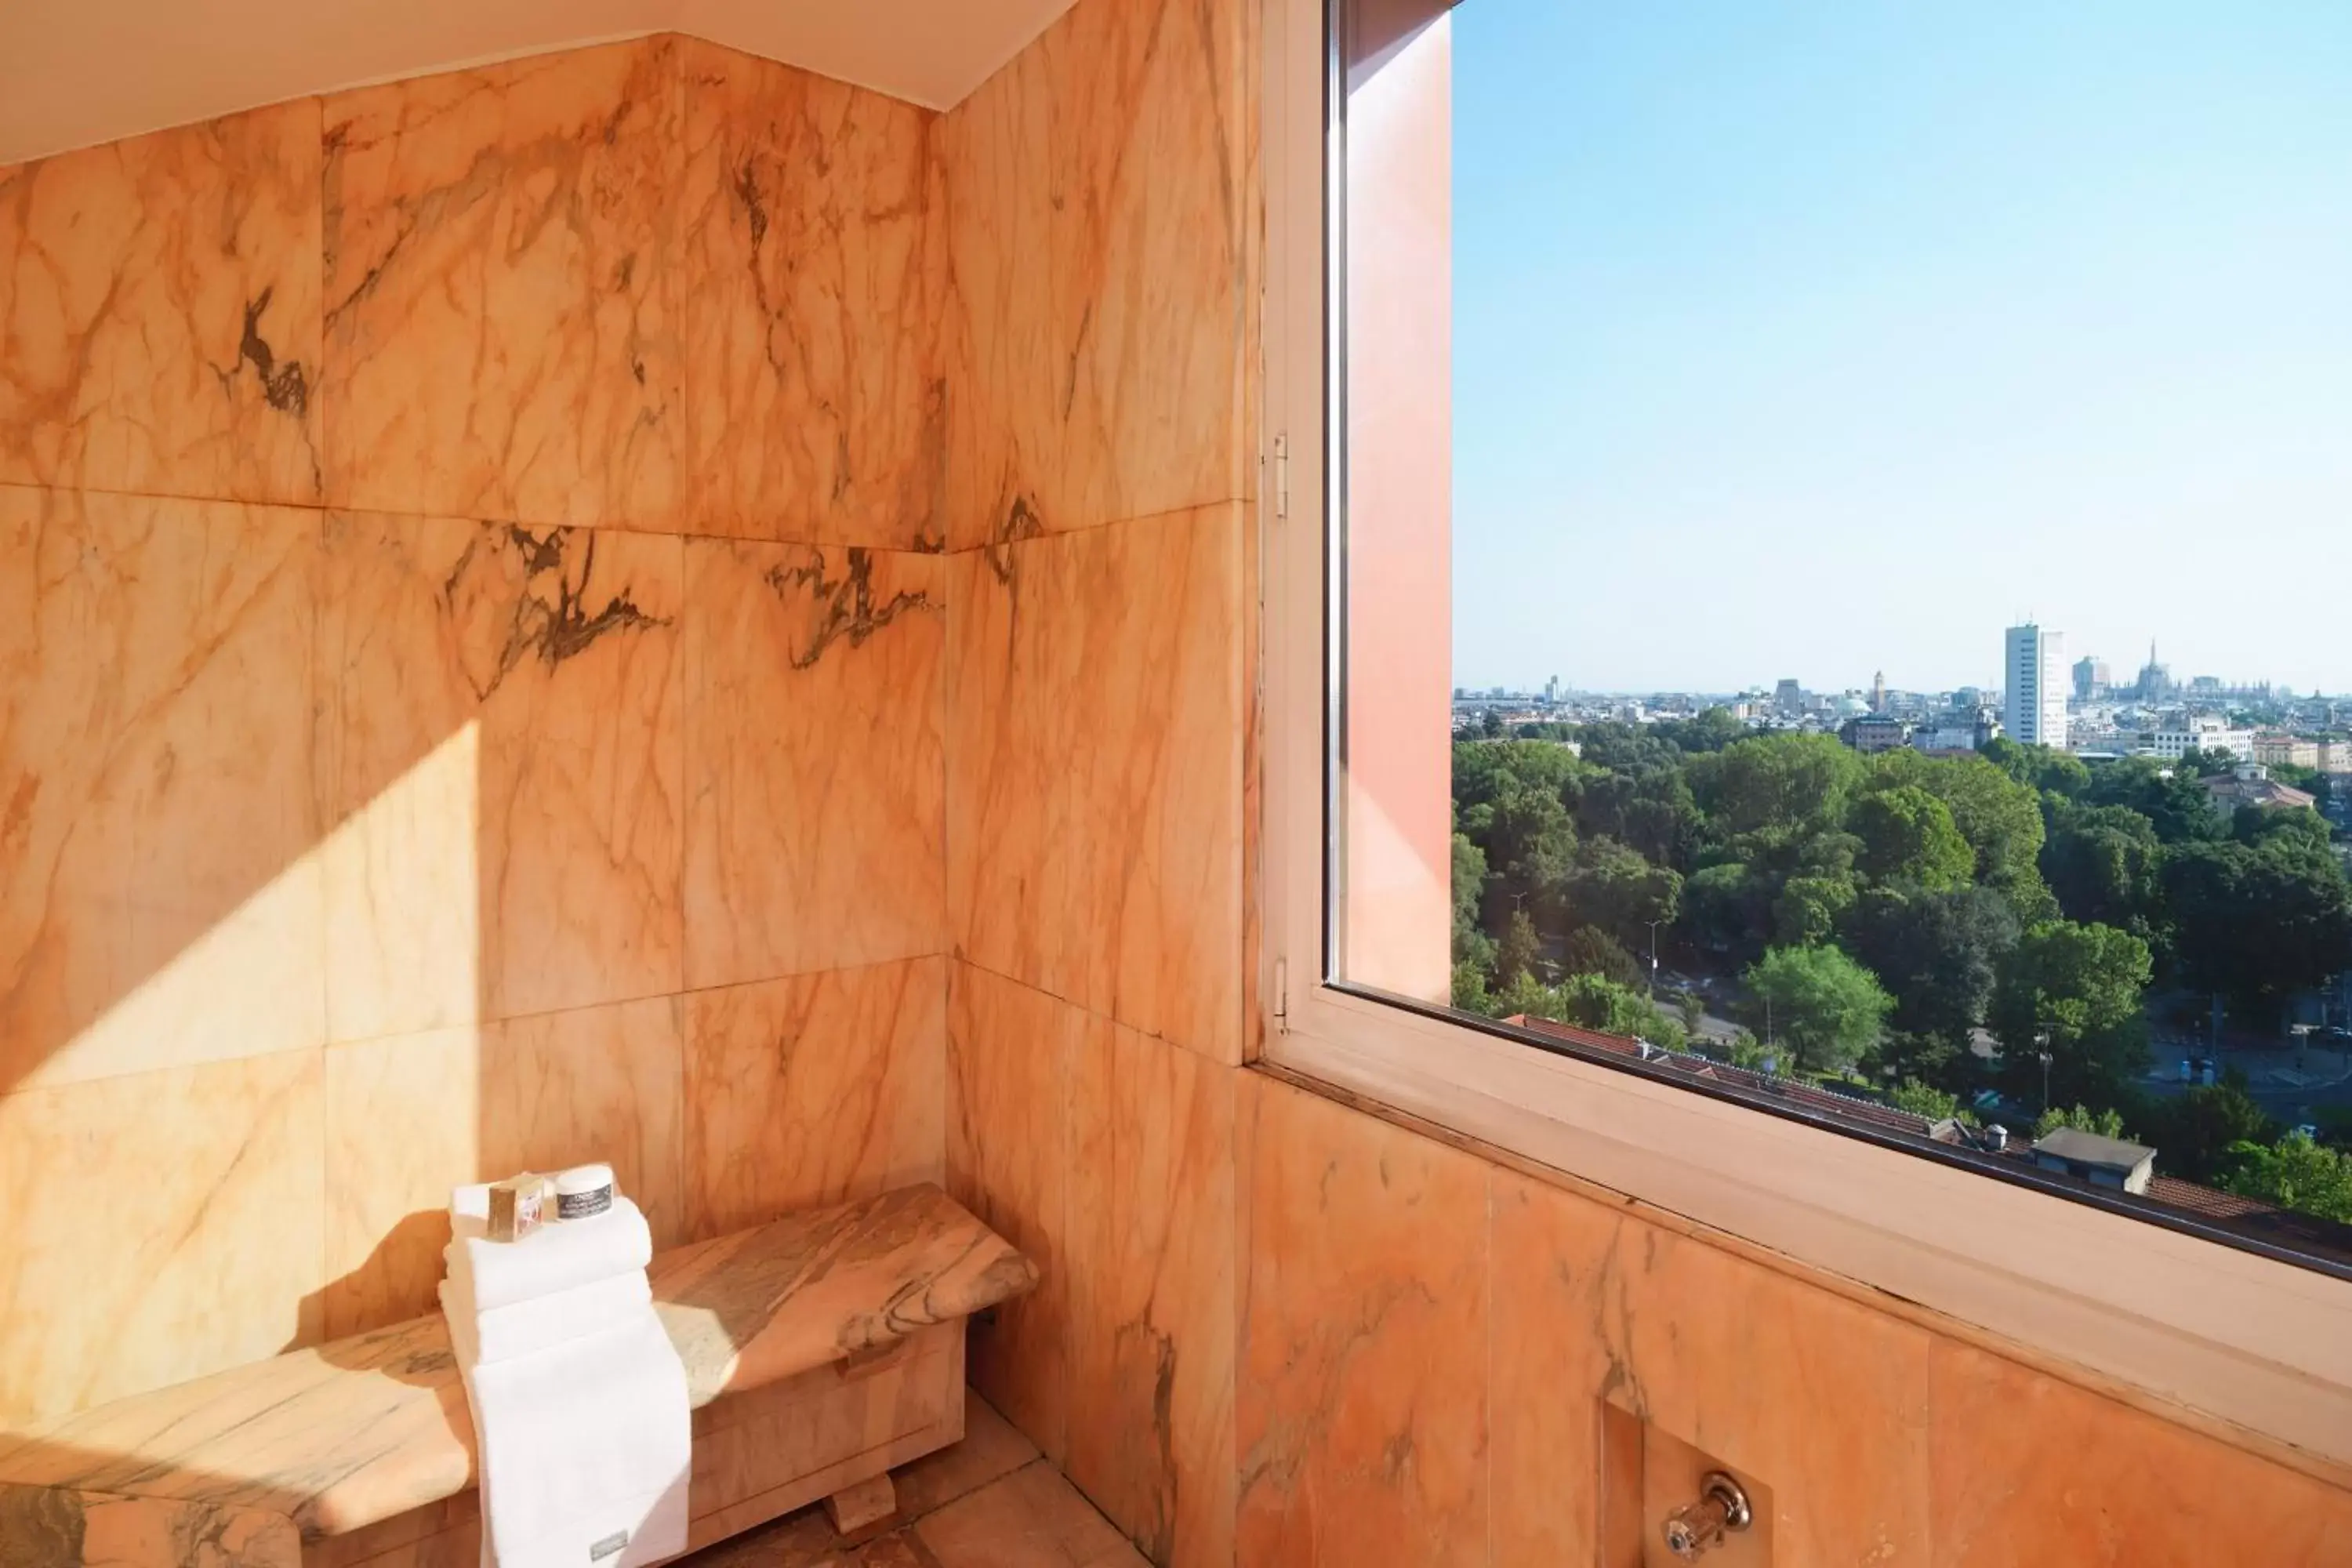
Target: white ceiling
(76,72)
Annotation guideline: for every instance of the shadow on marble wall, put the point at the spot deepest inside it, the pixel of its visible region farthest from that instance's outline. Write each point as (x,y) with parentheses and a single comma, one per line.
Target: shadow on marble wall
(444,729)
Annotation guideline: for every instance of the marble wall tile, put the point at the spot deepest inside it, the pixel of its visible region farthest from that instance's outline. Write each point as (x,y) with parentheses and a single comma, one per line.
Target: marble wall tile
(159,904)
(2028,1470)
(1362,1396)
(546,666)
(1736,1360)
(815,765)
(412,1116)
(1012,1054)
(1094,770)
(160,305)
(161,1227)
(1101,247)
(811,281)
(814,1090)
(1153,1296)
(501,339)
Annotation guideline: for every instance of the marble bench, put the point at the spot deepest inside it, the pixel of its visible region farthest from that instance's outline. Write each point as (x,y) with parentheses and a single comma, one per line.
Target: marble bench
(820,1350)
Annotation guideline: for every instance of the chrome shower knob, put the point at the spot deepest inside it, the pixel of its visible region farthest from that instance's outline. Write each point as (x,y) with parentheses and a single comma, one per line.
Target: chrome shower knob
(1697,1528)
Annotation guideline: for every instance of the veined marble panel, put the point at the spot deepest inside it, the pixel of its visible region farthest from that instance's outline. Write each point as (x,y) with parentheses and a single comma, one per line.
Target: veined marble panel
(1012,1059)
(812,276)
(1362,1401)
(160,305)
(814,762)
(1095,717)
(159,896)
(501,336)
(1102,241)
(2030,1470)
(1820,1398)
(160,1226)
(500,753)
(1153,1301)
(412,1116)
(820,1089)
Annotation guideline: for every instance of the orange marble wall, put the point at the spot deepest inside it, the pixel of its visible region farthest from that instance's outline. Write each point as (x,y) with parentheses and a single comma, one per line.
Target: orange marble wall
(473,660)
(1428,1342)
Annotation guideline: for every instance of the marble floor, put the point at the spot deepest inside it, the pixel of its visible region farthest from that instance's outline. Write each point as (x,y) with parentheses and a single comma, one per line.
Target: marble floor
(988,1502)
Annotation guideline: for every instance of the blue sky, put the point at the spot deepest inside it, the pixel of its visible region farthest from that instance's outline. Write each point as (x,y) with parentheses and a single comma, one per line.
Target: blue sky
(1810,339)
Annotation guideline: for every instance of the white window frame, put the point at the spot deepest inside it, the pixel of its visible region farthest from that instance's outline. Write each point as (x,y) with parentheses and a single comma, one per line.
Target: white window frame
(2254,1341)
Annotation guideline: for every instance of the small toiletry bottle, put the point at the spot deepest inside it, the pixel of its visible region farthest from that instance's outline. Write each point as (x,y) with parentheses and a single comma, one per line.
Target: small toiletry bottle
(582,1191)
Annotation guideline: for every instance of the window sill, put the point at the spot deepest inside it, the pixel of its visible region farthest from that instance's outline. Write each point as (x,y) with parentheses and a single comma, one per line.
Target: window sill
(2257,1353)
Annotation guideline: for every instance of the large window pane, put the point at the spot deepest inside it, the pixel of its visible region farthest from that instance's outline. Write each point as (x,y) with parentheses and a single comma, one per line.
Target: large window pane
(1843,516)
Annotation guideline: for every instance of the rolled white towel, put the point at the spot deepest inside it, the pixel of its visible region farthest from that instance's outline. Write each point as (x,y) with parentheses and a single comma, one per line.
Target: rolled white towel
(502,1333)
(486,1274)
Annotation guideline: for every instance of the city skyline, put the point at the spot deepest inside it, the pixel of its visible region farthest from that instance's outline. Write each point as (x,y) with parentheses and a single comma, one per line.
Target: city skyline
(1814,340)
(2125,673)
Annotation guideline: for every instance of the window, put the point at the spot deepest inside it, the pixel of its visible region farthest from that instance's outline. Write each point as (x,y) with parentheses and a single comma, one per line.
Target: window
(1734,457)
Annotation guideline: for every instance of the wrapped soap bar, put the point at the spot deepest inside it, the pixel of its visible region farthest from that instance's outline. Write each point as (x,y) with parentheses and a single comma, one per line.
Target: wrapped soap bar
(520,1205)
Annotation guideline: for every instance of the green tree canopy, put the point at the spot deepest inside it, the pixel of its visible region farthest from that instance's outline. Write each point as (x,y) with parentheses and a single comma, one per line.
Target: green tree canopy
(2194,1132)
(2169,798)
(1808,909)
(2107,1123)
(1486,771)
(2258,923)
(1615,888)
(1728,909)
(2081,986)
(1999,817)
(2296,1173)
(1471,944)
(1710,732)
(1938,952)
(1532,846)
(2103,863)
(1591,951)
(1776,788)
(1825,1008)
(1909,835)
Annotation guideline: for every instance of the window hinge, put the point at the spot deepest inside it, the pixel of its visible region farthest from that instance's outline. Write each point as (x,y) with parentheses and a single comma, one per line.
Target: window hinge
(1281,997)
(1281,476)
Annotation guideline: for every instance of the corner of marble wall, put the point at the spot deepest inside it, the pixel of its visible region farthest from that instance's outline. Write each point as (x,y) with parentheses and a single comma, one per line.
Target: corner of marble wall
(1106,1156)
(813,280)
(1363,1405)
(1094,755)
(1101,272)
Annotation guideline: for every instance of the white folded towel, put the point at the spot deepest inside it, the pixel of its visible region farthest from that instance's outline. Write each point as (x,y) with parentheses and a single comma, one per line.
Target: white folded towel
(551,1258)
(585,1447)
(502,1333)
(579,1411)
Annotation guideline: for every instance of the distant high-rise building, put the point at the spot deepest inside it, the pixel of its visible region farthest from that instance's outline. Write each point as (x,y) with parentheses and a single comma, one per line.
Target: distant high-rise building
(1878,692)
(2033,710)
(2092,678)
(1789,697)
